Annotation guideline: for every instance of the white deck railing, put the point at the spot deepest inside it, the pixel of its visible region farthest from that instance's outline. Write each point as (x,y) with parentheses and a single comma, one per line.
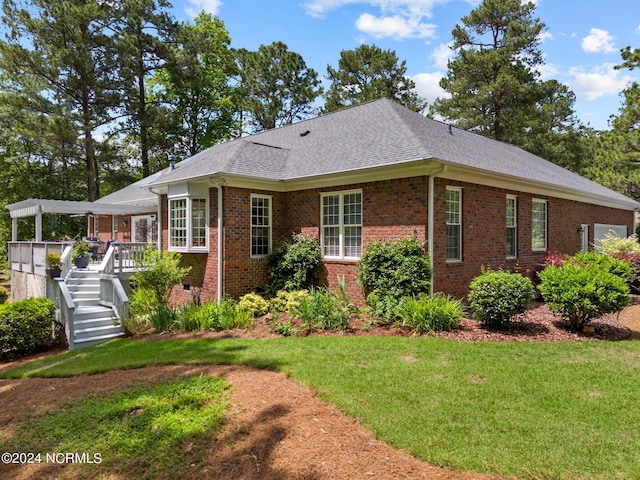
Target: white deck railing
(30,257)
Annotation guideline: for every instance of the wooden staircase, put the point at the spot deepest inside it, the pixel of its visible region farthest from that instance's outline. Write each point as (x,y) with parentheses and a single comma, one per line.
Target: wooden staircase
(92,322)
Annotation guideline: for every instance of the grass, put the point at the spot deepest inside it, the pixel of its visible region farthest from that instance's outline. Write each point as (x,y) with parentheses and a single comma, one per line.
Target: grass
(140,432)
(523,409)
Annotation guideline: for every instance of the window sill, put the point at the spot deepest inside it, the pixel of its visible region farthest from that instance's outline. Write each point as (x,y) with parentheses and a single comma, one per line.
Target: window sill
(341,260)
(188,250)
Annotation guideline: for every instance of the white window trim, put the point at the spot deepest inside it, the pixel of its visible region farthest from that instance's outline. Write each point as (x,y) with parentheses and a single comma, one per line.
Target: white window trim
(270,198)
(459,259)
(189,226)
(341,194)
(515,223)
(114,227)
(546,224)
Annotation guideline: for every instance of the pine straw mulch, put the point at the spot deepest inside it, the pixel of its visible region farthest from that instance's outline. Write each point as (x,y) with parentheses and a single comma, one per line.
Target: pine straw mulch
(278,429)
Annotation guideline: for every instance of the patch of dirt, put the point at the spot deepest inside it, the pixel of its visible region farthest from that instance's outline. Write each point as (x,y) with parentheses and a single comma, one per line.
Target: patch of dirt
(278,429)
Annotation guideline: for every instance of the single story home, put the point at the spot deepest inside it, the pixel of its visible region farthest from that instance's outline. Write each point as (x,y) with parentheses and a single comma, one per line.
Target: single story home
(370,172)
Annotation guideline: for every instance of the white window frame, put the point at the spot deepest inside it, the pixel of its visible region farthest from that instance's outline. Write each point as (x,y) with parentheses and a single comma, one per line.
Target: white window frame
(457,224)
(341,225)
(546,225)
(513,226)
(189,224)
(269,225)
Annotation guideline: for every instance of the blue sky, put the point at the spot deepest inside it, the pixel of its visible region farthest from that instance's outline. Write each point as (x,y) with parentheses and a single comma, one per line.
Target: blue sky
(581,44)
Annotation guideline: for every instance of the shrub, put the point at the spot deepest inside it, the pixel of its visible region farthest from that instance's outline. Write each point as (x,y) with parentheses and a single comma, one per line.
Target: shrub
(323,309)
(229,316)
(194,318)
(25,327)
(430,313)
(286,301)
(293,264)
(393,271)
(158,271)
(614,245)
(142,302)
(617,266)
(498,296)
(254,304)
(163,317)
(4,295)
(580,293)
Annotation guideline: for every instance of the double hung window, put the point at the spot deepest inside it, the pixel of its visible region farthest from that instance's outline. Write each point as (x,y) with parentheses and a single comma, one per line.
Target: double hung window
(341,231)
(512,227)
(260,225)
(539,225)
(454,224)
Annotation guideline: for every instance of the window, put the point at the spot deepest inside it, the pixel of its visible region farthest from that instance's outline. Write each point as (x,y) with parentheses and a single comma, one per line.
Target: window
(512,227)
(260,225)
(341,233)
(188,222)
(199,222)
(454,224)
(539,225)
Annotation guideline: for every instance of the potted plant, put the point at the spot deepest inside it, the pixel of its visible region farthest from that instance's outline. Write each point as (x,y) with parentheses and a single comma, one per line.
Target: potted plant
(81,254)
(54,264)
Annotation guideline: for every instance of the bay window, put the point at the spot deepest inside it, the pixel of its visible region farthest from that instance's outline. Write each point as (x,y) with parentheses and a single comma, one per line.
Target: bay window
(188,223)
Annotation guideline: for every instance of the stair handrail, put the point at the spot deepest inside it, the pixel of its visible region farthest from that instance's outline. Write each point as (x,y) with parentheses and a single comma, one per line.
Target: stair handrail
(65,259)
(67,307)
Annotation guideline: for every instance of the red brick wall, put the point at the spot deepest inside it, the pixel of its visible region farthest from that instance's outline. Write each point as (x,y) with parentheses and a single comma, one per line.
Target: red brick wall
(483,232)
(392,210)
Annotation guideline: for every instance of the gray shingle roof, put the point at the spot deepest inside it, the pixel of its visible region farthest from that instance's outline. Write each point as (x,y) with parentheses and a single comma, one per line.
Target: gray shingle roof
(370,135)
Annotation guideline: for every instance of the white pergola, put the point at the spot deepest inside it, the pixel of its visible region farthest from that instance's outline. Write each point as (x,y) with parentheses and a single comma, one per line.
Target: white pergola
(34,207)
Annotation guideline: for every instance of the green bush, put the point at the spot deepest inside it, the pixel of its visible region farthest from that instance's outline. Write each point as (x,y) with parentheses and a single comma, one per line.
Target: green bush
(25,327)
(614,245)
(158,272)
(498,296)
(286,301)
(142,302)
(254,304)
(580,293)
(617,266)
(293,264)
(388,272)
(163,317)
(225,315)
(430,313)
(322,309)
(4,295)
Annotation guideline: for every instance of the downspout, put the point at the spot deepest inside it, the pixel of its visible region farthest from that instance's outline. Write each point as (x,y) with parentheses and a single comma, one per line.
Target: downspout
(430,207)
(219,186)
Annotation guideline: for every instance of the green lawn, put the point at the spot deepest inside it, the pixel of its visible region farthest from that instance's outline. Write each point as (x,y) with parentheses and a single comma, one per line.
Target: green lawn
(530,410)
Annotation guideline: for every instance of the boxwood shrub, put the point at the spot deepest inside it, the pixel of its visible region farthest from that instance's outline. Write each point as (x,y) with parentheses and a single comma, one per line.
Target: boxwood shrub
(497,296)
(26,327)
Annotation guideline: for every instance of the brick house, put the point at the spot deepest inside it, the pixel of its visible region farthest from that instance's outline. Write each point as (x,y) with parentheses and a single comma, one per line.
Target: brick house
(374,171)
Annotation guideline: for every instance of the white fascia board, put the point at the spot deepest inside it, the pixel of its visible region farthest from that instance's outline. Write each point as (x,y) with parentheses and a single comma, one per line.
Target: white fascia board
(519,184)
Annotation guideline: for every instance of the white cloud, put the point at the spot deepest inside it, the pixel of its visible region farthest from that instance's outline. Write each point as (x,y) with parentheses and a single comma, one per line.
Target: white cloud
(395,27)
(194,7)
(598,82)
(441,55)
(545,36)
(598,41)
(427,86)
(548,71)
(397,19)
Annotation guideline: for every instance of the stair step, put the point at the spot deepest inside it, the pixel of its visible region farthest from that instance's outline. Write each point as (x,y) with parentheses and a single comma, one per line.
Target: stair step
(91,341)
(95,331)
(96,322)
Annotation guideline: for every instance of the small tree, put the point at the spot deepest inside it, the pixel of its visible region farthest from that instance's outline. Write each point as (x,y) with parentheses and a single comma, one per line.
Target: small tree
(158,272)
